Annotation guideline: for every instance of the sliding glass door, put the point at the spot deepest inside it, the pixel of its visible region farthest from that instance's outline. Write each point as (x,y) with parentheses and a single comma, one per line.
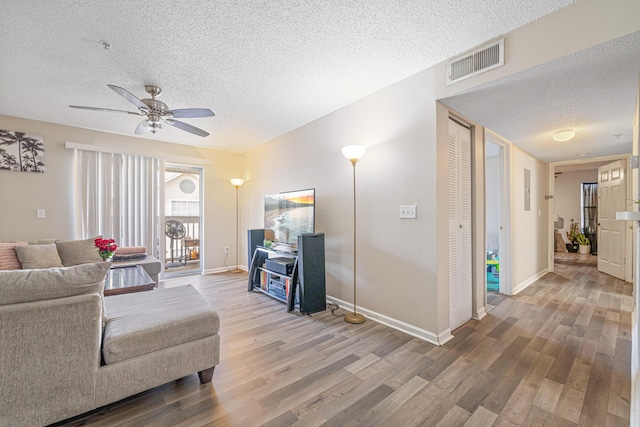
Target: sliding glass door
(183,219)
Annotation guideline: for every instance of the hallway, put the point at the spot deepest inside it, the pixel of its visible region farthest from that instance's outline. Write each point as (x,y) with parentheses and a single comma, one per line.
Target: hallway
(579,321)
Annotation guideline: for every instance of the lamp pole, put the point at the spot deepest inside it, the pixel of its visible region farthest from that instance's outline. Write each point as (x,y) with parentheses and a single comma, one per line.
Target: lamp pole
(237,182)
(353,153)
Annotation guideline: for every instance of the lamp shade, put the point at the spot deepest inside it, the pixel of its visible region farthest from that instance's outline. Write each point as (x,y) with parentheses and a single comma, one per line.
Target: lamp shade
(237,182)
(354,152)
(564,135)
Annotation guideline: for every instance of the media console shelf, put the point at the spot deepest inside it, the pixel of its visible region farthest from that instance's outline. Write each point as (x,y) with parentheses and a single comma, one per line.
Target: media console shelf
(296,278)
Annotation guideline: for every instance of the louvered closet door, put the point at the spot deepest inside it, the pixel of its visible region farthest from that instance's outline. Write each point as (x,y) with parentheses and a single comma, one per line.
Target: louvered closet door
(459,224)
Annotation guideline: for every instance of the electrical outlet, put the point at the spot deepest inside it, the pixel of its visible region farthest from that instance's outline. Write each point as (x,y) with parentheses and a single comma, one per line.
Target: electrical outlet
(226,249)
(408,212)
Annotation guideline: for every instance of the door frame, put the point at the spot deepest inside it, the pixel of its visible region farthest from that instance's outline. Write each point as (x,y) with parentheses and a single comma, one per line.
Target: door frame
(506,279)
(552,208)
(167,164)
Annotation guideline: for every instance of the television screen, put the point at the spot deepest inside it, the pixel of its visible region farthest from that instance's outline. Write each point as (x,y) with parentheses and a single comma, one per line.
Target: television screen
(289,214)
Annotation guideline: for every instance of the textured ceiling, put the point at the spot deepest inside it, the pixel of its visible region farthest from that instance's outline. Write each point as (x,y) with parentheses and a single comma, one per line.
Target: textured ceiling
(264,67)
(593,92)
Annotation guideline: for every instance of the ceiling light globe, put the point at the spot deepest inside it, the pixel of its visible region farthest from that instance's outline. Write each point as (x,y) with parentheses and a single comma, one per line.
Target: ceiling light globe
(564,135)
(353,152)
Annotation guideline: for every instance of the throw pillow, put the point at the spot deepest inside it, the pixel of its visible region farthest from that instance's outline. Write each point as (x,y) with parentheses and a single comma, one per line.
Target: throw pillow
(38,256)
(42,241)
(75,252)
(128,250)
(127,257)
(8,257)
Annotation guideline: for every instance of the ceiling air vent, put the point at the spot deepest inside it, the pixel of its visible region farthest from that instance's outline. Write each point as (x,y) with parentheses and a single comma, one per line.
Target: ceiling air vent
(484,59)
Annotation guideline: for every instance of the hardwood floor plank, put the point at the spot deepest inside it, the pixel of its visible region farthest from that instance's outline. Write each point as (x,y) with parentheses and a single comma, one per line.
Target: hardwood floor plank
(518,406)
(594,409)
(351,416)
(480,418)
(455,417)
(502,390)
(548,395)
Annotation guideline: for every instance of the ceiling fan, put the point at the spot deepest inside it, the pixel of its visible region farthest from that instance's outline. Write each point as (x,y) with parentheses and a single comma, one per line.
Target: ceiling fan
(157,112)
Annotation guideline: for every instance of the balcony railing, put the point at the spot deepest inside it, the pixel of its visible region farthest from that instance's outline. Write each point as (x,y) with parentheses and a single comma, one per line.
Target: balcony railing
(181,251)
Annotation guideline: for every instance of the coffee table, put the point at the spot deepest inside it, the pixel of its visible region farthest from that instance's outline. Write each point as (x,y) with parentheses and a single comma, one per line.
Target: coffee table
(124,280)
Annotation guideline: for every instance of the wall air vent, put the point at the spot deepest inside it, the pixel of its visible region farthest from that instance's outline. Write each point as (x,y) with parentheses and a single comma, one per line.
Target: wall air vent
(484,59)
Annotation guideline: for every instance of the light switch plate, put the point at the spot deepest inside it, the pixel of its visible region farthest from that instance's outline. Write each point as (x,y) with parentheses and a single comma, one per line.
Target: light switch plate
(408,212)
(40,213)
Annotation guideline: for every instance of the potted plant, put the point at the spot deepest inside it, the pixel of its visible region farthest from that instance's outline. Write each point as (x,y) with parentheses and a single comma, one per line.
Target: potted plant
(572,235)
(584,243)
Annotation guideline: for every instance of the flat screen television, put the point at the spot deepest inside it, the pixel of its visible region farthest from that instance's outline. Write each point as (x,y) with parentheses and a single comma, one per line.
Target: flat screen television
(289,214)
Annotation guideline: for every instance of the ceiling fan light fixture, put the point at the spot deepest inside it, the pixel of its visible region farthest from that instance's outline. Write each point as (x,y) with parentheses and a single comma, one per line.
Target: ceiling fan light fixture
(157,112)
(564,135)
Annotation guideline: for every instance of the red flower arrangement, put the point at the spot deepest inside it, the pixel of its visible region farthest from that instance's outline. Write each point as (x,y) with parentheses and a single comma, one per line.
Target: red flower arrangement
(106,247)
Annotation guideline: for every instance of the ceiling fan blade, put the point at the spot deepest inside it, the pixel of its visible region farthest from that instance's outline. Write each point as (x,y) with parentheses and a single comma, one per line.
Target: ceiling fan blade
(187,127)
(187,113)
(129,97)
(80,107)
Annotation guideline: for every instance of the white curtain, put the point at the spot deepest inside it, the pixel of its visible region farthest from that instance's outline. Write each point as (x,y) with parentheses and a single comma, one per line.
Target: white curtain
(117,196)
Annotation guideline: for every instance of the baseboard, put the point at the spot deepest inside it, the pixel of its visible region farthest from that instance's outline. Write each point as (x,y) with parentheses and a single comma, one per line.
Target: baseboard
(423,334)
(481,313)
(524,285)
(223,269)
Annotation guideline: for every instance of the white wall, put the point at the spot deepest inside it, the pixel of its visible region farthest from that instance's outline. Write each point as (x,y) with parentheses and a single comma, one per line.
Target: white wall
(21,193)
(492,185)
(529,228)
(568,196)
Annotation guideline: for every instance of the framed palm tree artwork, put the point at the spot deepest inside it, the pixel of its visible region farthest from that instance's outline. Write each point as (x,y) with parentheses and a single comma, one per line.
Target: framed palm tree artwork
(20,151)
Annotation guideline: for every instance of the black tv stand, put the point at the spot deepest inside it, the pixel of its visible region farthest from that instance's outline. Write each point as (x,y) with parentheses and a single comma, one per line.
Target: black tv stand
(303,286)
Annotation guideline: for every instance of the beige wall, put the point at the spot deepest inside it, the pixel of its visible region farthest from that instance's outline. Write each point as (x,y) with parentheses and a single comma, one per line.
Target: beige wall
(21,193)
(528,228)
(396,257)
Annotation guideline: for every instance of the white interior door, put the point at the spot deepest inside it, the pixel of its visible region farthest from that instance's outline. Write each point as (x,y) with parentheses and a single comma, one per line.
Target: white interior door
(460,281)
(612,189)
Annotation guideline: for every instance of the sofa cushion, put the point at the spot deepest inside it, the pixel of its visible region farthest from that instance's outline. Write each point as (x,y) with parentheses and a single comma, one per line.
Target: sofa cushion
(38,256)
(74,252)
(17,286)
(42,241)
(145,322)
(8,256)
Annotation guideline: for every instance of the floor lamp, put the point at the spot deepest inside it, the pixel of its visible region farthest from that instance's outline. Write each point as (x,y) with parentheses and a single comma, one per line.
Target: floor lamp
(353,153)
(237,182)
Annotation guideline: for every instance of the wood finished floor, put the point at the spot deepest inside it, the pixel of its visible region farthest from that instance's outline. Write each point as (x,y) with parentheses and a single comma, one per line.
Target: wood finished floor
(556,354)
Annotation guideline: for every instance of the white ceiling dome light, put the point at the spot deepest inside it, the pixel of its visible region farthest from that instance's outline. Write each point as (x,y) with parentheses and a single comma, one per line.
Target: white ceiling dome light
(564,135)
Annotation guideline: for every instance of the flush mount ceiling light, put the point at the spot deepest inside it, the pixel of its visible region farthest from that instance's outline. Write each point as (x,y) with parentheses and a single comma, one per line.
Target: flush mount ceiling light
(564,135)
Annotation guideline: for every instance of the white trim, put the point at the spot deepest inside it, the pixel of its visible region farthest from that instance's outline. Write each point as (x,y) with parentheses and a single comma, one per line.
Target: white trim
(117,150)
(223,269)
(481,313)
(524,285)
(506,276)
(430,337)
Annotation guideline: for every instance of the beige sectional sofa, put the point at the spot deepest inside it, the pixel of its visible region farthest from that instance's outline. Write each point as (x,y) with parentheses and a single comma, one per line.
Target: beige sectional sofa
(65,349)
